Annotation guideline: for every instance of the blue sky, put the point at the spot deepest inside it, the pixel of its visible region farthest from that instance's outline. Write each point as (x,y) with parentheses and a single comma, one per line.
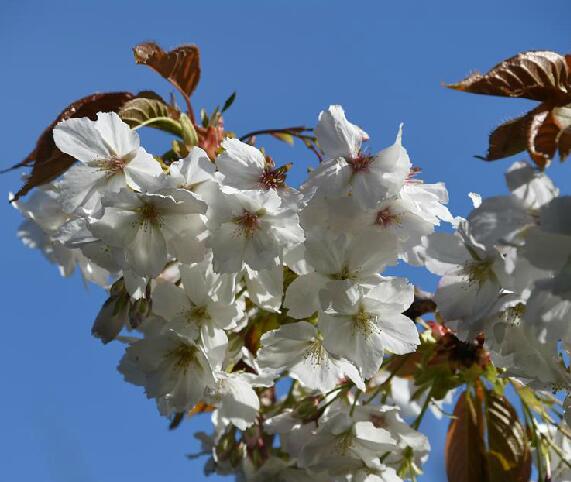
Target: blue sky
(66,415)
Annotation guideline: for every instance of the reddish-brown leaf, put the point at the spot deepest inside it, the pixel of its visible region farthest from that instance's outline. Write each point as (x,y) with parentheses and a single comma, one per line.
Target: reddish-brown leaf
(47,161)
(180,66)
(542,134)
(537,75)
(562,118)
(509,456)
(507,139)
(464,449)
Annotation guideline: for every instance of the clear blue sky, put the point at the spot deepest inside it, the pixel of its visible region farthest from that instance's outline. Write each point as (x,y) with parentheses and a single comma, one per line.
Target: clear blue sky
(65,413)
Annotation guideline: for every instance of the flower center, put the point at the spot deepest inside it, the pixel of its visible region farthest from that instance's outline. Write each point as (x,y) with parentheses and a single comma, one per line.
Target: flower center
(361,162)
(344,274)
(182,356)
(479,271)
(248,222)
(149,214)
(315,353)
(344,442)
(363,323)
(114,165)
(273,178)
(385,217)
(513,314)
(378,420)
(410,178)
(197,313)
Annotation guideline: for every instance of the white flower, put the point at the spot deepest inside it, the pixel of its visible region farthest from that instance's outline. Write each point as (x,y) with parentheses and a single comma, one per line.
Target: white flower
(294,432)
(473,274)
(368,178)
(298,348)
(193,173)
(191,312)
(406,437)
(537,363)
(361,324)
(110,158)
(341,440)
(149,225)
(245,167)
(251,228)
(531,186)
(341,257)
(45,220)
(169,366)
(549,307)
(337,137)
(235,398)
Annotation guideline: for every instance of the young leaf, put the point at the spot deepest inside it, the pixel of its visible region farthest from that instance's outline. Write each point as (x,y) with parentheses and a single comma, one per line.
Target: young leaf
(180,66)
(509,456)
(284,137)
(144,111)
(464,449)
(507,139)
(228,103)
(542,135)
(47,161)
(562,118)
(536,75)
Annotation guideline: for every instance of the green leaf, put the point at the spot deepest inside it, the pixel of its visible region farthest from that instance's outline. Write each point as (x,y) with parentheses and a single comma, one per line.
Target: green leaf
(144,111)
(228,103)
(284,137)
(188,131)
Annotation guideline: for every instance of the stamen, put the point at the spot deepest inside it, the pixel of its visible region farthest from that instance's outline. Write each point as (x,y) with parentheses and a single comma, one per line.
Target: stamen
(385,217)
(182,356)
(149,214)
(361,162)
(248,223)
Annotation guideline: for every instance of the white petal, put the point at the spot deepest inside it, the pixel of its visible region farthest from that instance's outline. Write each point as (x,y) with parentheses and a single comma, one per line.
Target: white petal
(169,301)
(143,171)
(147,253)
(302,296)
(79,138)
(241,164)
(336,135)
(116,134)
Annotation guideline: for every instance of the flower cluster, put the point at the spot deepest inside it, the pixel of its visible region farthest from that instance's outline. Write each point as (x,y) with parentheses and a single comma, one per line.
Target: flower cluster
(234,280)
(506,273)
(232,284)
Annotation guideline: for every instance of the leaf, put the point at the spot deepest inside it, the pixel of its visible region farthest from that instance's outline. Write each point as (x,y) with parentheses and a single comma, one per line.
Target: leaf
(509,456)
(47,161)
(228,103)
(536,75)
(151,112)
(180,66)
(189,134)
(562,118)
(507,139)
(542,133)
(464,449)
(284,137)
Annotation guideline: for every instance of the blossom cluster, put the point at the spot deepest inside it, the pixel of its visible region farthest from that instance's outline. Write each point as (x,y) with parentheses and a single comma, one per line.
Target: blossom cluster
(225,283)
(199,253)
(506,272)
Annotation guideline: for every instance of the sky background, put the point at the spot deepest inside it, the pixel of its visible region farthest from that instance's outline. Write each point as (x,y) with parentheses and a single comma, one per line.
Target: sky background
(66,415)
